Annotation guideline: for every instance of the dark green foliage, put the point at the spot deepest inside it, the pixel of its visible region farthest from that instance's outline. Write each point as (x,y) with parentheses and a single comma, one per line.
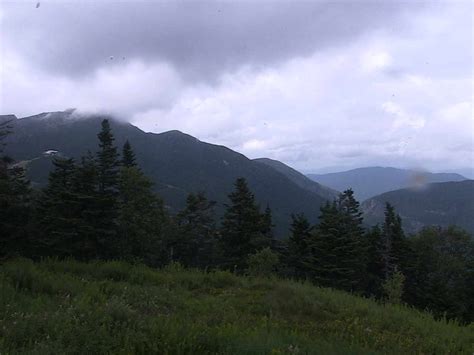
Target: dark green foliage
(15,210)
(443,279)
(15,203)
(196,242)
(140,219)
(339,246)
(393,244)
(128,156)
(241,232)
(59,211)
(299,257)
(108,180)
(267,224)
(263,263)
(375,273)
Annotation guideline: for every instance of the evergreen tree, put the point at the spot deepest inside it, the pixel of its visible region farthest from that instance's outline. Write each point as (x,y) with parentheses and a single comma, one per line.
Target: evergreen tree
(140,219)
(375,274)
(267,226)
(339,247)
(299,253)
(15,203)
(327,242)
(15,210)
(356,244)
(128,156)
(241,232)
(59,212)
(85,187)
(393,246)
(443,277)
(196,245)
(108,179)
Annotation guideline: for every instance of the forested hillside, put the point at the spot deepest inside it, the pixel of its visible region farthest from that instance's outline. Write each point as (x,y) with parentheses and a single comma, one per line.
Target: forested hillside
(102,207)
(442,204)
(372,181)
(177,163)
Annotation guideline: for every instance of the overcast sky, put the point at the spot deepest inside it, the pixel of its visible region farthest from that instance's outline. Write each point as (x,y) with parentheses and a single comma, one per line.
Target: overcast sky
(321,86)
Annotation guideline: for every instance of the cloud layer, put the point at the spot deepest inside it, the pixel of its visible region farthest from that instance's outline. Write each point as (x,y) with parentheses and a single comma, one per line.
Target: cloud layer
(316,85)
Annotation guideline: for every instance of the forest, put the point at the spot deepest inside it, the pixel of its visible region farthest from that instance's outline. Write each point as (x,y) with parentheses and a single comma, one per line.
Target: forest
(102,207)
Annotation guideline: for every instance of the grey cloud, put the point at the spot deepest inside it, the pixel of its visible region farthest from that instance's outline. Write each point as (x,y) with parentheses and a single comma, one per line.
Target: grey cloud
(201,39)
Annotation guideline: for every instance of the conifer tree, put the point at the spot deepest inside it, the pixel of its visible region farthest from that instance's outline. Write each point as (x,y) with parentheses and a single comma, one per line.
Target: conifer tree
(59,213)
(393,246)
(241,232)
(267,226)
(85,187)
(15,203)
(375,274)
(128,156)
(140,216)
(339,247)
(107,178)
(196,244)
(299,253)
(356,244)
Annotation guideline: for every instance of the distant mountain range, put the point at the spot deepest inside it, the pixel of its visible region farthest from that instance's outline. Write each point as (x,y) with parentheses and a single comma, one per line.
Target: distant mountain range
(372,181)
(443,204)
(177,163)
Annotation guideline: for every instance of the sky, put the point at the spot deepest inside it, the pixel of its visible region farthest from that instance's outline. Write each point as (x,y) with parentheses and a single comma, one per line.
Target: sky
(319,85)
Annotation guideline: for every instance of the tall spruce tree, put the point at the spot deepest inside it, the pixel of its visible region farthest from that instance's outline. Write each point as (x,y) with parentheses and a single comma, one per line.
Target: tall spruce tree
(108,180)
(140,216)
(267,226)
(375,268)
(196,244)
(15,203)
(299,256)
(393,245)
(339,247)
(128,156)
(356,243)
(59,212)
(241,233)
(89,227)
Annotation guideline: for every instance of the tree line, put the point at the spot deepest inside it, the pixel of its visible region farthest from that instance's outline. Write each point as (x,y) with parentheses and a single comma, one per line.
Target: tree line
(103,206)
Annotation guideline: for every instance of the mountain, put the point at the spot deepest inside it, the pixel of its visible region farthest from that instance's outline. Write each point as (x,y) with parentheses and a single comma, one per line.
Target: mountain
(300,179)
(441,204)
(372,181)
(177,163)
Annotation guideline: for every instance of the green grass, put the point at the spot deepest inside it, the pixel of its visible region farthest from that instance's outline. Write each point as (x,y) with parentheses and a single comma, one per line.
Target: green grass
(69,307)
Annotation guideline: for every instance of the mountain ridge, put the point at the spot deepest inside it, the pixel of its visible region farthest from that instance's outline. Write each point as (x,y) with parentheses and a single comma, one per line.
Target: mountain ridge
(177,162)
(368,182)
(441,204)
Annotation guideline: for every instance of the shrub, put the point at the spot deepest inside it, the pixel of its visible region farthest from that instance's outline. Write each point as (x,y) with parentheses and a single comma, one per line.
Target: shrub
(262,263)
(393,287)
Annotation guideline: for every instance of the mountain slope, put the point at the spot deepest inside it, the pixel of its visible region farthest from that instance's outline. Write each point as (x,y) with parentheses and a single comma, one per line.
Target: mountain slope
(437,204)
(372,181)
(300,179)
(176,162)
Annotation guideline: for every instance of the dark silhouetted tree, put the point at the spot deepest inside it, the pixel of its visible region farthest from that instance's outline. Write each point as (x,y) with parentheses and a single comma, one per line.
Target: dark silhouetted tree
(241,232)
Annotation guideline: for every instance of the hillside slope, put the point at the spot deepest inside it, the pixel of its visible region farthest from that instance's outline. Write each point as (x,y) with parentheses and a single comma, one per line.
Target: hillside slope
(300,179)
(372,181)
(437,204)
(176,162)
(117,308)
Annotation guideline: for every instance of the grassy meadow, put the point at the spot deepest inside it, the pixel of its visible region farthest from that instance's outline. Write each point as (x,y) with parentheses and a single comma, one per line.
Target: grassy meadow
(69,307)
